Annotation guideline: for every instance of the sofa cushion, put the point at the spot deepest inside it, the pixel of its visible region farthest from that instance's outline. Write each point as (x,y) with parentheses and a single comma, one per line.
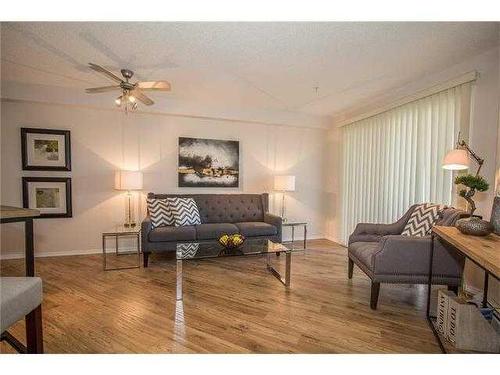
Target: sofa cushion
(184,210)
(256,228)
(214,231)
(364,251)
(161,234)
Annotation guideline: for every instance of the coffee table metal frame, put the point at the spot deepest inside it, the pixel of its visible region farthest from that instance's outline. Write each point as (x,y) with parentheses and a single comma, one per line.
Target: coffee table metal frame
(284,280)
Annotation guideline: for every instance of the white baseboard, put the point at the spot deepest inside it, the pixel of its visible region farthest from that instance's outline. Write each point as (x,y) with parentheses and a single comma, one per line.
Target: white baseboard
(44,254)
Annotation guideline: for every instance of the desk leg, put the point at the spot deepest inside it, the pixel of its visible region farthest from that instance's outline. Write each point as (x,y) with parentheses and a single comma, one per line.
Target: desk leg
(29,250)
(429,290)
(429,278)
(485,289)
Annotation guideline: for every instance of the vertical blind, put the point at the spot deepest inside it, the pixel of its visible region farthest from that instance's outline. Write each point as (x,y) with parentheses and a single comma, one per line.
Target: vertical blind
(393,160)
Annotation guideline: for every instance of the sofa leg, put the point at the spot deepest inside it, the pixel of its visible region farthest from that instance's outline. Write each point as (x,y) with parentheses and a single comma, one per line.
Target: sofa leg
(350,268)
(34,334)
(453,288)
(374,295)
(145,257)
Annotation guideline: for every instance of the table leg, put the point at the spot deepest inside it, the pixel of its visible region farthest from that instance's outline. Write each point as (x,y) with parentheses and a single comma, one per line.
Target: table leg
(179,280)
(305,236)
(116,244)
(293,235)
(288,268)
(104,252)
(29,248)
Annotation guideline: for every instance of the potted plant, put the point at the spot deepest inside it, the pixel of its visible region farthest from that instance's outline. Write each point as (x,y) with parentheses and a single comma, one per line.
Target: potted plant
(472,225)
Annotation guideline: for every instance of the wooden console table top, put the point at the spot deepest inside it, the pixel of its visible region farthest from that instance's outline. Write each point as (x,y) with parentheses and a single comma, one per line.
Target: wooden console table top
(483,250)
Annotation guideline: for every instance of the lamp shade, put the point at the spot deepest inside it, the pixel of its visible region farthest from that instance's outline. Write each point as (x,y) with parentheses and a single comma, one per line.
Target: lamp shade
(128,180)
(456,159)
(284,183)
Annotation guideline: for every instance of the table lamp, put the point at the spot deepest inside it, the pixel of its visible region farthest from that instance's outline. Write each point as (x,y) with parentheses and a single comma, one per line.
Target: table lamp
(284,184)
(129,181)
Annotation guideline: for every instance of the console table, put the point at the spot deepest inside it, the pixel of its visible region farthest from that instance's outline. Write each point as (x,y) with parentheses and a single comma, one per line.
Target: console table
(9,214)
(482,251)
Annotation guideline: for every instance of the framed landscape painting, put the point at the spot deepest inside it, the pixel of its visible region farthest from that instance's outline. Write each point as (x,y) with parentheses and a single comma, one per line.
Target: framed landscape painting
(46,149)
(50,195)
(208,163)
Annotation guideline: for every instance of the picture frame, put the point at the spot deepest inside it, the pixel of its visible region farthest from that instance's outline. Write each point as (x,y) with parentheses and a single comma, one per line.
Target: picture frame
(50,195)
(208,163)
(46,149)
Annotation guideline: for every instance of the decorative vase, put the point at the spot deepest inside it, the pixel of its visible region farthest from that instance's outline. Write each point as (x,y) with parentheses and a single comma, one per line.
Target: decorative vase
(474,226)
(495,215)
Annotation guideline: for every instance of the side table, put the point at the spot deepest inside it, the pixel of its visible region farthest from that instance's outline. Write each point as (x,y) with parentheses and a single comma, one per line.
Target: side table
(118,232)
(294,224)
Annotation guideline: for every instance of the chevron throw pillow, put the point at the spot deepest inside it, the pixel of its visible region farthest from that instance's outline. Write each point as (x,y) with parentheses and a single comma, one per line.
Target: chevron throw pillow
(422,220)
(184,210)
(159,212)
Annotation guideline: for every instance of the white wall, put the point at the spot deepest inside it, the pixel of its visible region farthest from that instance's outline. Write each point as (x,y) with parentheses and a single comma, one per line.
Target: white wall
(149,143)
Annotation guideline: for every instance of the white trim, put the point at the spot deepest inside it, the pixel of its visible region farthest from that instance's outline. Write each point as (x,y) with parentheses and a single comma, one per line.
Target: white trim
(464,78)
(45,254)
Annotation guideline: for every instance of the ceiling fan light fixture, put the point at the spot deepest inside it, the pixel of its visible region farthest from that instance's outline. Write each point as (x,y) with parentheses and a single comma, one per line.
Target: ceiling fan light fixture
(131,99)
(118,101)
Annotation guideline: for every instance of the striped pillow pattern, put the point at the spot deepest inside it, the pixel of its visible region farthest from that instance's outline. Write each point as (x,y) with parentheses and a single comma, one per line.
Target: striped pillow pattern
(422,220)
(184,210)
(159,212)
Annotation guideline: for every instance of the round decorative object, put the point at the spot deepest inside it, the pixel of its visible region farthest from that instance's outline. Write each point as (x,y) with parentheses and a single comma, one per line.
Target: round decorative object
(474,226)
(231,241)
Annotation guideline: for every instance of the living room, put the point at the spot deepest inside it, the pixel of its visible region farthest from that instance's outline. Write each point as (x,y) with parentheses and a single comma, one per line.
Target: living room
(249,187)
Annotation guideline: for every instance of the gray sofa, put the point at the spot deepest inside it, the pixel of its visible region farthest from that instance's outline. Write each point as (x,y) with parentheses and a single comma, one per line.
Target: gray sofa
(385,256)
(220,213)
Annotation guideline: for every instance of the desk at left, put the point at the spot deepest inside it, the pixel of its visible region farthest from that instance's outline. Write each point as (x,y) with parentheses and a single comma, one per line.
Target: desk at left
(9,214)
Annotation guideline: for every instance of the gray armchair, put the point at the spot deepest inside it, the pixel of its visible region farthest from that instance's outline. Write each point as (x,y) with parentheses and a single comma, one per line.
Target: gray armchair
(386,256)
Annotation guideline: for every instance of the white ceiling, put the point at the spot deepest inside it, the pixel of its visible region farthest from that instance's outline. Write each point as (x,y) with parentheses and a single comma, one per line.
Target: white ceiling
(264,66)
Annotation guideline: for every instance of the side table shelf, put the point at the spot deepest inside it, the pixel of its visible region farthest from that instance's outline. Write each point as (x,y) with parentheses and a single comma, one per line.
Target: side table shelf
(118,232)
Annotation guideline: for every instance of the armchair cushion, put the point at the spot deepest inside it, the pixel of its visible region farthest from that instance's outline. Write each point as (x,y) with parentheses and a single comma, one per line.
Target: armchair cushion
(364,252)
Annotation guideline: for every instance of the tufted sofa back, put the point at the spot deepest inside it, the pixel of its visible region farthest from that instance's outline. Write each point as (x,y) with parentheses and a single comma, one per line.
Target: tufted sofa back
(226,208)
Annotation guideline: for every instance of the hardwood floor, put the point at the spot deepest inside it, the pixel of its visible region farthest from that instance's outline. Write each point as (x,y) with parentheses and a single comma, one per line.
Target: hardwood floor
(231,305)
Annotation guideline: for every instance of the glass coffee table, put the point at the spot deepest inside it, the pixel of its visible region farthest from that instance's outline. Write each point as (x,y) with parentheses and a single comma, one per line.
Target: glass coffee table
(197,251)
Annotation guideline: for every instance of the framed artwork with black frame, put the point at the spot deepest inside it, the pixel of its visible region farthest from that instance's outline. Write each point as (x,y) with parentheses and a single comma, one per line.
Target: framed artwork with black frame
(46,149)
(50,195)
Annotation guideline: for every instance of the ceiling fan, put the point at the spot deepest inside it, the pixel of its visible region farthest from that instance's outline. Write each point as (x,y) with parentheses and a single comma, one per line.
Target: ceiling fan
(130,92)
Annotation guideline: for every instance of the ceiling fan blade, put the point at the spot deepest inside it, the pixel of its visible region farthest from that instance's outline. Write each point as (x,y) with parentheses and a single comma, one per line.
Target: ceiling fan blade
(154,85)
(143,98)
(106,72)
(95,90)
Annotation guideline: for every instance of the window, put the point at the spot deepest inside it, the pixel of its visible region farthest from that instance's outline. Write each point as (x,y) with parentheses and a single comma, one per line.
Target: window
(393,160)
